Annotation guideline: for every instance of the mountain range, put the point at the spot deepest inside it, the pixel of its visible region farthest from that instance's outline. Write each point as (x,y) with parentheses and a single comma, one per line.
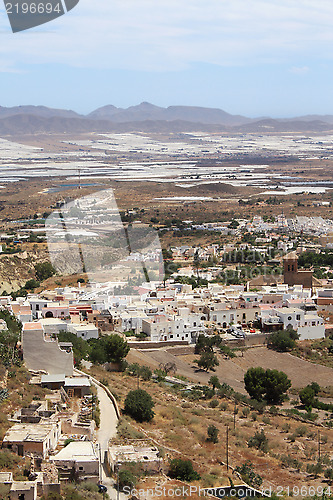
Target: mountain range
(147,117)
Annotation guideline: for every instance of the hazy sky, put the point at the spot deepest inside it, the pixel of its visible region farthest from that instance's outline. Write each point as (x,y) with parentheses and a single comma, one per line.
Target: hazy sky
(252,57)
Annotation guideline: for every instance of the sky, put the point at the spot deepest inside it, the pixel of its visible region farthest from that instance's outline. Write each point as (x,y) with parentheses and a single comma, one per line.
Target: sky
(250,57)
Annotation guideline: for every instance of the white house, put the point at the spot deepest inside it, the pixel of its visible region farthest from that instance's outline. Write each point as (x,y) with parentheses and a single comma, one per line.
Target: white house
(85,331)
(308,325)
(183,326)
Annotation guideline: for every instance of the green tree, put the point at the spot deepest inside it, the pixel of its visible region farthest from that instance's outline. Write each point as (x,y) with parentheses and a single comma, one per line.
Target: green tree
(81,348)
(283,341)
(307,397)
(270,385)
(182,470)
(213,434)
(254,380)
(44,270)
(207,361)
(214,381)
(108,349)
(139,405)
(276,385)
(116,348)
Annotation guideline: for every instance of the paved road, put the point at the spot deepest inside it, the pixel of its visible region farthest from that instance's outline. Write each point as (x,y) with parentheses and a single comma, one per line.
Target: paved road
(107,430)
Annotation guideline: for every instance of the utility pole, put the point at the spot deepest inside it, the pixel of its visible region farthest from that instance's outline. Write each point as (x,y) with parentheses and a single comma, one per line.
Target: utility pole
(117,479)
(227,447)
(235,411)
(319,445)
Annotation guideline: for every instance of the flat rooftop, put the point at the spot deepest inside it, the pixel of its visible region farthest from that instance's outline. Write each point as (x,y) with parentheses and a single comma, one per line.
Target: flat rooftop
(28,432)
(78,451)
(32,326)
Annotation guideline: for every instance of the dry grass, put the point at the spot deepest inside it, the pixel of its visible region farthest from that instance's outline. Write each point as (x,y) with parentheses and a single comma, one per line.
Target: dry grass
(180,427)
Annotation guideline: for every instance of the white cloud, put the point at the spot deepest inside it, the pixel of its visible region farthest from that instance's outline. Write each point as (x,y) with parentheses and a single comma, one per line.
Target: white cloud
(169,34)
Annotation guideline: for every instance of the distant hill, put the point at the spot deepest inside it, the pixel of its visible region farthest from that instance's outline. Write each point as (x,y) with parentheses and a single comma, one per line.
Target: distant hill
(296,125)
(37,111)
(31,124)
(147,117)
(147,111)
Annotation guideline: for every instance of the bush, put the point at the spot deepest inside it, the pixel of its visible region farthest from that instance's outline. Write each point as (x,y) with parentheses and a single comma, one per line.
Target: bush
(248,474)
(213,403)
(139,405)
(126,478)
(273,410)
(245,412)
(283,341)
(213,433)
(314,469)
(259,441)
(182,470)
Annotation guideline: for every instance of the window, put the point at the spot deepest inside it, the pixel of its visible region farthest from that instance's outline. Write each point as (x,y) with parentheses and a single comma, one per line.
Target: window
(80,468)
(298,317)
(289,318)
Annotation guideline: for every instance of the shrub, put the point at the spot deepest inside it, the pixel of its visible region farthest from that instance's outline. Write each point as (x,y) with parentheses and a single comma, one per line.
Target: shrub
(182,470)
(315,469)
(213,433)
(273,410)
(248,474)
(213,403)
(126,478)
(139,405)
(245,412)
(259,441)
